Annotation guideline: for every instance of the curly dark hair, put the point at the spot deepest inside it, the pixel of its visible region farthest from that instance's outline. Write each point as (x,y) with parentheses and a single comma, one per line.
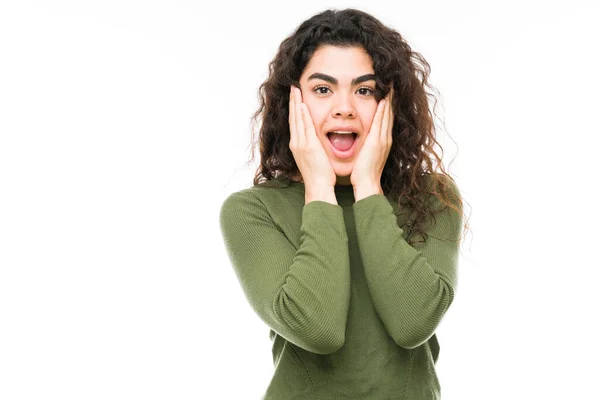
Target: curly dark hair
(409,165)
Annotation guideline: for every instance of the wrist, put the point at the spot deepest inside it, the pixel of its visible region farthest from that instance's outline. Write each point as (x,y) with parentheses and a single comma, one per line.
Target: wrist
(366,190)
(320,193)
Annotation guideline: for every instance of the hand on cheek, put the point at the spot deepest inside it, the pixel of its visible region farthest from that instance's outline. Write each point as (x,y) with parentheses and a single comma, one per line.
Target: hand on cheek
(369,163)
(308,152)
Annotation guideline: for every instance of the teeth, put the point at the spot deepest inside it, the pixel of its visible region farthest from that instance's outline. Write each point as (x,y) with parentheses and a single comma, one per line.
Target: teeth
(345,133)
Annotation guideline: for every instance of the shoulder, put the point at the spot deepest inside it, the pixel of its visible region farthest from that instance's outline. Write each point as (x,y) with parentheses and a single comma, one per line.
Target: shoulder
(238,201)
(260,207)
(265,196)
(449,212)
(440,179)
(445,186)
(239,211)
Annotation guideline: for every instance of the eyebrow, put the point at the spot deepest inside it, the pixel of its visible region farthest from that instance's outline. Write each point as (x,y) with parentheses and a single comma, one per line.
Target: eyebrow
(332,80)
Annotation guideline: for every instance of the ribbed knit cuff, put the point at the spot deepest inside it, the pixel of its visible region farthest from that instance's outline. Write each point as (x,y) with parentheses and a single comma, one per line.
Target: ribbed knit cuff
(320,216)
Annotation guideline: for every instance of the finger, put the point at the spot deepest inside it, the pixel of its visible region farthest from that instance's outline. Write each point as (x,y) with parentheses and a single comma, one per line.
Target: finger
(376,124)
(292,120)
(309,127)
(383,133)
(391,126)
(299,118)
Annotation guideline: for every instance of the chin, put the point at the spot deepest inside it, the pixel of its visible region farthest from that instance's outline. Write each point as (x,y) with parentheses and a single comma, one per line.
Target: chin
(343,171)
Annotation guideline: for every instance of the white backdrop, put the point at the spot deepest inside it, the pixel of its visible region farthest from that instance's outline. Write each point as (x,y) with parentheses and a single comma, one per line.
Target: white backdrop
(125,124)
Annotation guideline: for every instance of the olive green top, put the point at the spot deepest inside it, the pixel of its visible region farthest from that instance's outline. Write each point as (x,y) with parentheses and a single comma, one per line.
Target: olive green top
(351,306)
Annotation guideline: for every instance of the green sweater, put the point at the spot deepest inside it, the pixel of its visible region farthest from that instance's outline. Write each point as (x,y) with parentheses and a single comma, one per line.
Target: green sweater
(352,307)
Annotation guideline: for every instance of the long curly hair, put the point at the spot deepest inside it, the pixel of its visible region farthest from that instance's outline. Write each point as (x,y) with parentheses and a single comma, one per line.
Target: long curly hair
(408,170)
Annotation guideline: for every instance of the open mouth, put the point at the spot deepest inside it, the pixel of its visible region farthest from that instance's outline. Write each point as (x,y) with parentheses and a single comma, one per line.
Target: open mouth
(342,141)
(342,144)
(354,134)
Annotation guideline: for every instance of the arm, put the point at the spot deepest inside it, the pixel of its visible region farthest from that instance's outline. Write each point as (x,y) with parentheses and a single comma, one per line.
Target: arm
(411,287)
(302,294)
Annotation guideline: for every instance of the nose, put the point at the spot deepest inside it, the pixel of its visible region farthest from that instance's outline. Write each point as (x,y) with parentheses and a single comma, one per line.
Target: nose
(343,106)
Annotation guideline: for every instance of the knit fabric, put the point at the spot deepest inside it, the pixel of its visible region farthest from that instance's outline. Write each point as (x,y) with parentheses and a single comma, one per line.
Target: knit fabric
(351,306)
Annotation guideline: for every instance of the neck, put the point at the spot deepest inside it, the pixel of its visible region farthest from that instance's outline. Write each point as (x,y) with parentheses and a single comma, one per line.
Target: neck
(341,180)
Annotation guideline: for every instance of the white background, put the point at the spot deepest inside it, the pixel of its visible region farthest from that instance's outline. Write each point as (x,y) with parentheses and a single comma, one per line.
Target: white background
(125,124)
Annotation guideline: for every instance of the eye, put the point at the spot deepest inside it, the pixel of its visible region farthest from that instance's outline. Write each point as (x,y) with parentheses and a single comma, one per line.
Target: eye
(364,91)
(318,89)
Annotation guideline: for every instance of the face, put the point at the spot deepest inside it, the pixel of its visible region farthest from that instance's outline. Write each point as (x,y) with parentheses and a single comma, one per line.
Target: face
(338,87)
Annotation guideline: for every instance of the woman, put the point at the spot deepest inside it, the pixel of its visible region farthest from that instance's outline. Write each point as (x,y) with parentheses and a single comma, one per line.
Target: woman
(324,242)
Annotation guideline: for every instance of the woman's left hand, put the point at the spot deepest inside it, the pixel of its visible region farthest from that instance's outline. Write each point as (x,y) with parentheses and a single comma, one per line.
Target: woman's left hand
(369,163)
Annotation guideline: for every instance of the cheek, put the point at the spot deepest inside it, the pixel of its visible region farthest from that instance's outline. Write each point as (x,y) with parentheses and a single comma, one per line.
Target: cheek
(318,113)
(368,115)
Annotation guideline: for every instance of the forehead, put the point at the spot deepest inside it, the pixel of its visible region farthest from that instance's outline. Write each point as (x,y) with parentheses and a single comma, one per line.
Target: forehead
(342,63)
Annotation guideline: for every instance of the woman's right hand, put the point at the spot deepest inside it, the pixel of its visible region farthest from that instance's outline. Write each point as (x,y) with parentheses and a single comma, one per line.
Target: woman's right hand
(312,160)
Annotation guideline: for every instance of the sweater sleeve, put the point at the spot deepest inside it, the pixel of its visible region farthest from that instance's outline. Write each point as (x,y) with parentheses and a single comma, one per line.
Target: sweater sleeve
(411,287)
(302,294)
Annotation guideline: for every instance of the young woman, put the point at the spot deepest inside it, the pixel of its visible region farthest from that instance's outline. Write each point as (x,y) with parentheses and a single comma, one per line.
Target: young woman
(347,244)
